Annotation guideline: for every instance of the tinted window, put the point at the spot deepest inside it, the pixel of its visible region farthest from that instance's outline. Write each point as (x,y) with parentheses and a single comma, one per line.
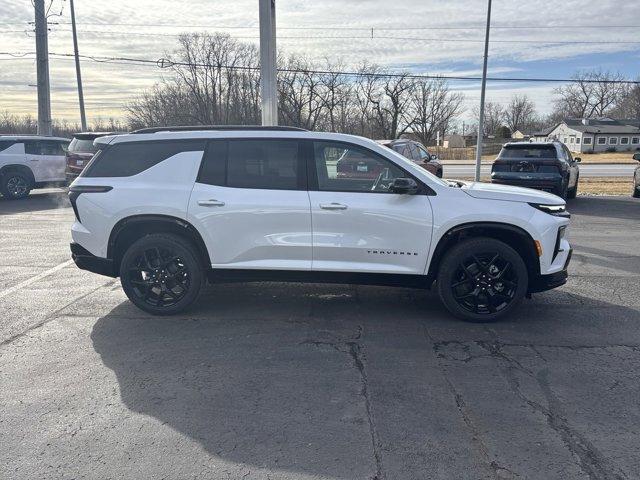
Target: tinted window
(51,148)
(415,155)
(213,170)
(32,147)
(267,164)
(528,152)
(4,144)
(82,145)
(342,167)
(424,155)
(127,159)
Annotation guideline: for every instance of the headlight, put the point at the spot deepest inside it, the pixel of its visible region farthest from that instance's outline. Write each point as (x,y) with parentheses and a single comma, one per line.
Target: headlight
(556,210)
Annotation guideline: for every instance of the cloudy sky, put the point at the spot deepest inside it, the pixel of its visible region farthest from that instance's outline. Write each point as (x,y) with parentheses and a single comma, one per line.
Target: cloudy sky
(422,36)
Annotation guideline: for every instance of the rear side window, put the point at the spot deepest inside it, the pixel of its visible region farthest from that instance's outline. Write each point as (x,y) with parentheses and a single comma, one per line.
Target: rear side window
(82,145)
(51,148)
(4,144)
(528,152)
(269,164)
(131,158)
(32,148)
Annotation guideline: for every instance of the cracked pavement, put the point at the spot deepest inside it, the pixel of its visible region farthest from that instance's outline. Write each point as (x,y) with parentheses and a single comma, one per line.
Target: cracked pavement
(287,381)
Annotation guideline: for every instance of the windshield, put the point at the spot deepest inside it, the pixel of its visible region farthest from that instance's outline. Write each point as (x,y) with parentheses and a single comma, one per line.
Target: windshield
(82,145)
(528,152)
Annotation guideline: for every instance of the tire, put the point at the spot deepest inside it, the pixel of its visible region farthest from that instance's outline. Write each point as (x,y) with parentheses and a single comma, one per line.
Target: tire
(15,185)
(636,192)
(573,192)
(439,174)
(563,190)
(477,270)
(162,274)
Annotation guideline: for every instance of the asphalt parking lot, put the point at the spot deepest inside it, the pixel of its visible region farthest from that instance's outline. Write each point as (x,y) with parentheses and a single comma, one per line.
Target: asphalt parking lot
(277,381)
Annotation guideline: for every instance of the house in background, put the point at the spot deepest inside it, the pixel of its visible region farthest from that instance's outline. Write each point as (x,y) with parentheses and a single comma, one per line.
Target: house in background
(454,141)
(594,135)
(519,135)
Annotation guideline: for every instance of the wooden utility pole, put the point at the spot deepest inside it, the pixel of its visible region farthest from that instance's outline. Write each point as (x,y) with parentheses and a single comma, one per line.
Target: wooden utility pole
(42,66)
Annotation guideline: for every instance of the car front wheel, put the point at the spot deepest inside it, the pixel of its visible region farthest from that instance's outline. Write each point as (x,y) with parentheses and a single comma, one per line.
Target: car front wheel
(482,279)
(161,274)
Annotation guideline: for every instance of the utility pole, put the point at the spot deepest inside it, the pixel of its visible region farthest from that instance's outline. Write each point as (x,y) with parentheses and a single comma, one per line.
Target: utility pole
(83,118)
(42,66)
(268,85)
(482,95)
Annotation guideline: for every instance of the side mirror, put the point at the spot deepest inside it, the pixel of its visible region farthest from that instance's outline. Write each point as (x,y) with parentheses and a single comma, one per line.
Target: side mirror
(637,157)
(434,157)
(404,186)
(578,159)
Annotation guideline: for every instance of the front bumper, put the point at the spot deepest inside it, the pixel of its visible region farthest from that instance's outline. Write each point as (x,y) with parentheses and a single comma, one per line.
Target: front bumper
(553,280)
(85,260)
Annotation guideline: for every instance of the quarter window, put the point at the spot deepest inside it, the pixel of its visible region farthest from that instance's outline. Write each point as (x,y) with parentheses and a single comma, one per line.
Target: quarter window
(131,158)
(6,144)
(343,167)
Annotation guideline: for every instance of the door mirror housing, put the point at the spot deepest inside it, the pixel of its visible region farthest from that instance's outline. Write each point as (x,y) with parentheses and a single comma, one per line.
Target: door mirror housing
(434,157)
(578,159)
(404,186)
(637,157)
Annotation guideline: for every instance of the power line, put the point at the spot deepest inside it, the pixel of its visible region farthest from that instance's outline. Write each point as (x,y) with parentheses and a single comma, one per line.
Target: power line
(166,63)
(378,37)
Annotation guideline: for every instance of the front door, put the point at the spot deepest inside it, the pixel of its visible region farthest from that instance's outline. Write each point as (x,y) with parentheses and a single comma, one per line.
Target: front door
(358,224)
(251,204)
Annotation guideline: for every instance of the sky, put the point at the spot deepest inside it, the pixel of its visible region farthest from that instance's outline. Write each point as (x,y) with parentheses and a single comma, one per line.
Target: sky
(421,36)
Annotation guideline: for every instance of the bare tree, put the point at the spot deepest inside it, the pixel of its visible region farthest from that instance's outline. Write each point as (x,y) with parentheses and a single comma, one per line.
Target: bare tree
(493,117)
(591,94)
(628,107)
(520,113)
(433,108)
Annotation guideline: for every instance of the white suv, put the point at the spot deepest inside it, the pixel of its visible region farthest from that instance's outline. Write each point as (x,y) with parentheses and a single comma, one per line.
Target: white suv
(31,161)
(167,209)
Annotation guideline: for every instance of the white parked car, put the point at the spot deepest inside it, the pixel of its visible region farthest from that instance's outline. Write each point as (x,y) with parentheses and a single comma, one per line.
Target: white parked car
(30,161)
(168,209)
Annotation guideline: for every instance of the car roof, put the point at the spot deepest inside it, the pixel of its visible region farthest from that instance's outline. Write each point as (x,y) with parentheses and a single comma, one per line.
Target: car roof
(32,137)
(94,135)
(530,144)
(394,142)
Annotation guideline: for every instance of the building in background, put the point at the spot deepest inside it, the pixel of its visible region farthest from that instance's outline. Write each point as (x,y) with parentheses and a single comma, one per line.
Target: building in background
(594,135)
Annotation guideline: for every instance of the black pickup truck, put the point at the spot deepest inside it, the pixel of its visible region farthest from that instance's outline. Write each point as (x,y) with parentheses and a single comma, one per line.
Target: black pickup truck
(545,166)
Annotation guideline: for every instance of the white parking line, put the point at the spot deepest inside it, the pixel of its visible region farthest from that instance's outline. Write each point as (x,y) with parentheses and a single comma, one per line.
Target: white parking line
(31,280)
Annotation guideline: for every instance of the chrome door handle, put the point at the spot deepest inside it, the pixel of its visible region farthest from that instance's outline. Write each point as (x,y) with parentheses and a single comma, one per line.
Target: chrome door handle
(210,203)
(333,206)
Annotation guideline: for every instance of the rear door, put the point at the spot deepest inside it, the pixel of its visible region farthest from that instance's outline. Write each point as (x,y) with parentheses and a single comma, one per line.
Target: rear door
(53,160)
(251,203)
(358,224)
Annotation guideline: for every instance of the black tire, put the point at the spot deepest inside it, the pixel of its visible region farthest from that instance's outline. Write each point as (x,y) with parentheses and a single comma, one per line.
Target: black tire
(162,274)
(563,190)
(482,279)
(573,192)
(439,173)
(15,185)
(636,192)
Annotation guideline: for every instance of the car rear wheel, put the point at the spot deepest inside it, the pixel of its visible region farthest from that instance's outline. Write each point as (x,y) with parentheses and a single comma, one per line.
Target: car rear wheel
(15,185)
(482,279)
(161,274)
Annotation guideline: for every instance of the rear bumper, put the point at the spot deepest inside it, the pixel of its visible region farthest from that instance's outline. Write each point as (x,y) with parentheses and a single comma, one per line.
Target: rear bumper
(542,182)
(85,260)
(553,280)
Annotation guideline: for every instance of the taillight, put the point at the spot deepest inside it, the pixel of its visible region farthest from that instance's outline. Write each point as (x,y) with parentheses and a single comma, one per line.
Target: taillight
(77,190)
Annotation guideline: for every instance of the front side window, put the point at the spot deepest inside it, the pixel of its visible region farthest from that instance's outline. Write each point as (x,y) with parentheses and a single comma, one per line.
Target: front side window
(424,155)
(130,158)
(32,147)
(344,167)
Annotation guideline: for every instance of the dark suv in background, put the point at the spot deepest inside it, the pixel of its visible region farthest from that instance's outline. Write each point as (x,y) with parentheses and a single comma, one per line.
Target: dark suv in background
(545,166)
(81,150)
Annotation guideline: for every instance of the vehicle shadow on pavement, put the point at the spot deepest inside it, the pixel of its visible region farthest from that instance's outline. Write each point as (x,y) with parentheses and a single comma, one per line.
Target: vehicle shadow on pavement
(287,377)
(607,207)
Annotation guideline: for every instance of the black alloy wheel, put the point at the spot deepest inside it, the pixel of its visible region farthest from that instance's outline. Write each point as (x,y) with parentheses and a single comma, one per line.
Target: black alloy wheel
(15,185)
(484,283)
(482,279)
(161,274)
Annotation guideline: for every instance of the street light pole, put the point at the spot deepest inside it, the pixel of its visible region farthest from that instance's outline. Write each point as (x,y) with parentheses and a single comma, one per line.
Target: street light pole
(83,118)
(42,69)
(482,95)
(268,85)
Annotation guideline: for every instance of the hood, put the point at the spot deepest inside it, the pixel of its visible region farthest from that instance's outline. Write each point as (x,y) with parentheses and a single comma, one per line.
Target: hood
(492,191)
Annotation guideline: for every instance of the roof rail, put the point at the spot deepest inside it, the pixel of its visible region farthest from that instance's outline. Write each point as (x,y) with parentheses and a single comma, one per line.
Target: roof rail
(190,128)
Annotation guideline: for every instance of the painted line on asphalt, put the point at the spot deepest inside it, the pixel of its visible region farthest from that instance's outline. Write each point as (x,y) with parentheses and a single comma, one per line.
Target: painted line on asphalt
(31,280)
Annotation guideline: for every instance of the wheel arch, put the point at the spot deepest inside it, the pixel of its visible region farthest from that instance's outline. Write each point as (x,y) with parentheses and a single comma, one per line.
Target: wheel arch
(514,236)
(16,167)
(132,228)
